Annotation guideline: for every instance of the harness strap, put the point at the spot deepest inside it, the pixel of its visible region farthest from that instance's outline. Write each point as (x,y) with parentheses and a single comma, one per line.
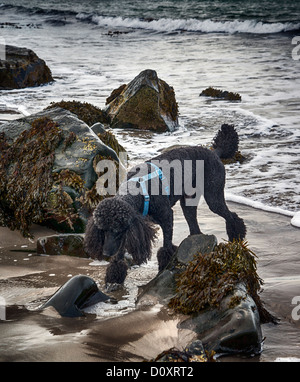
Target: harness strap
(142,181)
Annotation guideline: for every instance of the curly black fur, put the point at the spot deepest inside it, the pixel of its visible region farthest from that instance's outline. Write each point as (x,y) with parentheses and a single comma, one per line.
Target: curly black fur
(117,224)
(94,239)
(139,237)
(116,272)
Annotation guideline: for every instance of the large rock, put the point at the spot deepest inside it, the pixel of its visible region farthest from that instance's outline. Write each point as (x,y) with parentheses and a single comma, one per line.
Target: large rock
(230,328)
(162,288)
(40,183)
(23,68)
(146,103)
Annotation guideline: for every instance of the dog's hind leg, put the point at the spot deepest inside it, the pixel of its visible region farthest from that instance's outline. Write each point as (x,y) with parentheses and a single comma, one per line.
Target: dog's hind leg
(235,226)
(190,214)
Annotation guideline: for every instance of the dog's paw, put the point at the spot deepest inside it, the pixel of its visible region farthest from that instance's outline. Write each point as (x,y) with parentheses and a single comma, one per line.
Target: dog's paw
(116,272)
(164,256)
(174,247)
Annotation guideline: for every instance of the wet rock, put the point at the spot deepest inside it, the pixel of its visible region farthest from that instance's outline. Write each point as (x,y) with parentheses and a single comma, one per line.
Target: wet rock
(98,128)
(162,288)
(23,68)
(146,103)
(63,244)
(229,330)
(221,94)
(194,244)
(75,295)
(232,327)
(48,171)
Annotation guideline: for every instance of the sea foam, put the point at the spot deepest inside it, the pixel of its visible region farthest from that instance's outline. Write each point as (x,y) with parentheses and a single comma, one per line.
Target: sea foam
(190,25)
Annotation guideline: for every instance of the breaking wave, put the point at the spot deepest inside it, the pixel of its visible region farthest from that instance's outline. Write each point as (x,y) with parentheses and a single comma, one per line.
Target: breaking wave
(160,25)
(190,25)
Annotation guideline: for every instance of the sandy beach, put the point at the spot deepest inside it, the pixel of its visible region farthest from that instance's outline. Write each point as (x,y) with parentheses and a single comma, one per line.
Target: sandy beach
(27,279)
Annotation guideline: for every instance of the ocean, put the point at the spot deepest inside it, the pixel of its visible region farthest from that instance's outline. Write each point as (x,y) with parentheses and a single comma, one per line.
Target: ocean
(249,47)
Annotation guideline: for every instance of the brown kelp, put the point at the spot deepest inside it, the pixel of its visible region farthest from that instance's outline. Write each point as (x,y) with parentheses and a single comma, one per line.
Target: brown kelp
(26,174)
(110,140)
(220,94)
(31,191)
(209,278)
(85,111)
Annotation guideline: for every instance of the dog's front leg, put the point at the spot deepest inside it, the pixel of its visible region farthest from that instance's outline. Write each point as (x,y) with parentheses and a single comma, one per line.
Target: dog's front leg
(116,271)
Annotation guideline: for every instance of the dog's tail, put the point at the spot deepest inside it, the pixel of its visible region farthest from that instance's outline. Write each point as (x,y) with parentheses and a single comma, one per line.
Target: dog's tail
(226,142)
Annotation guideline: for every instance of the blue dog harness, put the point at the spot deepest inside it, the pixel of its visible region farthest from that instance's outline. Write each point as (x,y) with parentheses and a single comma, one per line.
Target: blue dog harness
(142,181)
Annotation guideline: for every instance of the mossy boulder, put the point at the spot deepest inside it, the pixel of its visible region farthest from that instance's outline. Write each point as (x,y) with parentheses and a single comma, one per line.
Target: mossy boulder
(146,103)
(214,289)
(48,171)
(23,68)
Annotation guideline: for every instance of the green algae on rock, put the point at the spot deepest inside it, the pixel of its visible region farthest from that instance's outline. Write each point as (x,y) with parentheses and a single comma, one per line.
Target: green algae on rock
(146,103)
(23,68)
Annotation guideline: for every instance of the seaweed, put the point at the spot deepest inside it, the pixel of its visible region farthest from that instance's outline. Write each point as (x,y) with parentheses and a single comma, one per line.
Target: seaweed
(70,140)
(209,278)
(85,111)
(68,178)
(110,140)
(238,157)
(115,93)
(175,355)
(220,94)
(60,209)
(26,174)
(31,192)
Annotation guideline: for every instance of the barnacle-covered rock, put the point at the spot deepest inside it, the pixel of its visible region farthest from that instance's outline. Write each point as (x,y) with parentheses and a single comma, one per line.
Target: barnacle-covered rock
(146,103)
(47,171)
(23,68)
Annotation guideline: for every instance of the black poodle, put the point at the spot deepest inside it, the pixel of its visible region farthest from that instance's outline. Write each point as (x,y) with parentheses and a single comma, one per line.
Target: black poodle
(125,222)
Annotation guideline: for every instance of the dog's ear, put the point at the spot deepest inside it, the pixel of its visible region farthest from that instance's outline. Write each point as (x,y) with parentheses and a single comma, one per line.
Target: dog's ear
(139,238)
(93,240)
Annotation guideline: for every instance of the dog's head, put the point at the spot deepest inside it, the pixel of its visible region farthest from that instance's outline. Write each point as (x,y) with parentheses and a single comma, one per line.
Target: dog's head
(115,227)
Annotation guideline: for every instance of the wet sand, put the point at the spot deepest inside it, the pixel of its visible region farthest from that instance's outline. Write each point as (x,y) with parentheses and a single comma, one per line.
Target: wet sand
(26,280)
